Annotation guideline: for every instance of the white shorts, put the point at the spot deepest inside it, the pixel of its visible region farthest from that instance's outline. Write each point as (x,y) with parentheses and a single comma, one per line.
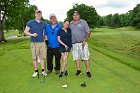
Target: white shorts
(78,51)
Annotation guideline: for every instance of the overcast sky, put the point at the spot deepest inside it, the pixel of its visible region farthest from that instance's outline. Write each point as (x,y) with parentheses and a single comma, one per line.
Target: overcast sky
(103,7)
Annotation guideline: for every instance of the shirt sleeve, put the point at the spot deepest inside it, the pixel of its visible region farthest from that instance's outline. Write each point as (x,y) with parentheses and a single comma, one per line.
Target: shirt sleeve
(29,24)
(86,27)
(45,25)
(60,26)
(45,31)
(58,33)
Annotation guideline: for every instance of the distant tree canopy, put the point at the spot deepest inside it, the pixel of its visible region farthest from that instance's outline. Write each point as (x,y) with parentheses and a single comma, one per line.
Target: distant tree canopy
(131,18)
(136,16)
(87,13)
(19,20)
(14,14)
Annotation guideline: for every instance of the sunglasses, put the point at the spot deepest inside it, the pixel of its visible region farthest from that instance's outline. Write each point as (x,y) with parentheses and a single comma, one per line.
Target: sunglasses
(53,31)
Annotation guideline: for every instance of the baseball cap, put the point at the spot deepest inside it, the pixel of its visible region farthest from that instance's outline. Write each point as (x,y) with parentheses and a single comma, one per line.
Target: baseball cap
(76,12)
(52,15)
(38,11)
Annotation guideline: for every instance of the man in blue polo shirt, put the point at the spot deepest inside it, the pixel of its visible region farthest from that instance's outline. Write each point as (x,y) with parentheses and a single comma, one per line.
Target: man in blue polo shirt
(35,29)
(53,44)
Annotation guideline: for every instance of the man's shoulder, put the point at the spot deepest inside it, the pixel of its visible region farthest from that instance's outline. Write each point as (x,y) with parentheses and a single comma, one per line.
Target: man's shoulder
(71,22)
(82,20)
(31,21)
(60,25)
(43,22)
(48,25)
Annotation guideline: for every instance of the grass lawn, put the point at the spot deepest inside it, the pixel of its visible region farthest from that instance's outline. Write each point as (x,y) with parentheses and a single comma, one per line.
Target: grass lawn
(115,66)
(12,33)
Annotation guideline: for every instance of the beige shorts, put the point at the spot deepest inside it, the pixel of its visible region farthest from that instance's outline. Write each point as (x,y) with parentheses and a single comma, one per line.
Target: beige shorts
(38,50)
(79,52)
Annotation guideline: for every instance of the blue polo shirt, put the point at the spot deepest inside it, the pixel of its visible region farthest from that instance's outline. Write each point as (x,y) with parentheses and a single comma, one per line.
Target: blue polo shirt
(38,28)
(51,33)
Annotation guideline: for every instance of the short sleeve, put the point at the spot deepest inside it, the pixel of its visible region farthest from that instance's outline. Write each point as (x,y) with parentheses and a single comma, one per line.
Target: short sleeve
(29,24)
(58,33)
(45,25)
(70,25)
(60,26)
(45,32)
(86,27)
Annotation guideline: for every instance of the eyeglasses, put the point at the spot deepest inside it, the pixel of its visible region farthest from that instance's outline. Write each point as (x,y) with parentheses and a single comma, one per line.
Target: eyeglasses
(53,31)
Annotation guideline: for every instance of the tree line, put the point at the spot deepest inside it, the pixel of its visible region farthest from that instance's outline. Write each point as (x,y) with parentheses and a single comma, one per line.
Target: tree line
(14,14)
(131,18)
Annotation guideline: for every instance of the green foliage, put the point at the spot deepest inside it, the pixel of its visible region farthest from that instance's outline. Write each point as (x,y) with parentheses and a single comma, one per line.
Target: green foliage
(131,18)
(87,13)
(15,14)
(19,20)
(115,21)
(136,16)
(108,20)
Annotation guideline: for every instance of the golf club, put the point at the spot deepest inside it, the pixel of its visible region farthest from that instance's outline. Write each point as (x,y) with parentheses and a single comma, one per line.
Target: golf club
(36,55)
(41,81)
(84,84)
(66,84)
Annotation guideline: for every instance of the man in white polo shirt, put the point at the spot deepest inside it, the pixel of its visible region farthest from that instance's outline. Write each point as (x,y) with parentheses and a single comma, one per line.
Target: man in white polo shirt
(80,34)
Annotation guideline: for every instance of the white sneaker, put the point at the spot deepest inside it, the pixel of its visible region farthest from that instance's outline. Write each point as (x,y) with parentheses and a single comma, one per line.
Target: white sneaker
(35,74)
(44,73)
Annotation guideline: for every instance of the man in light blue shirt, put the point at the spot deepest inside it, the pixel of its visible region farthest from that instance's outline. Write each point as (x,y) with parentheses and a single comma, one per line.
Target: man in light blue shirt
(53,44)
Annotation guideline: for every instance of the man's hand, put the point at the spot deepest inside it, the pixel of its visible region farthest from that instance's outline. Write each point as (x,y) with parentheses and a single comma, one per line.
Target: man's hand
(86,38)
(34,35)
(84,43)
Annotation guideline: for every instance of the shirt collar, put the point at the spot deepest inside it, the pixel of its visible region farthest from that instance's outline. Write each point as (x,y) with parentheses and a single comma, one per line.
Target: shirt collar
(55,26)
(78,21)
(37,22)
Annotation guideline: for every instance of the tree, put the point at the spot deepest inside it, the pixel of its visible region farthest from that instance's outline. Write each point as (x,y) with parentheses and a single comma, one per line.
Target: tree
(10,10)
(108,19)
(87,13)
(124,20)
(136,16)
(115,21)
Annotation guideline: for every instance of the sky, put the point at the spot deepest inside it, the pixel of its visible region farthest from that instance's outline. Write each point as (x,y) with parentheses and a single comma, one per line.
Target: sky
(103,7)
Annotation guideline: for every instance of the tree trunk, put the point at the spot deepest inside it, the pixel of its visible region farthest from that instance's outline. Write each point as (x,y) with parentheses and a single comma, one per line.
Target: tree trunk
(1,29)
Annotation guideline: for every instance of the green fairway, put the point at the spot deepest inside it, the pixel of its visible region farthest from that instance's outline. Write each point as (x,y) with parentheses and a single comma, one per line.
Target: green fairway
(115,66)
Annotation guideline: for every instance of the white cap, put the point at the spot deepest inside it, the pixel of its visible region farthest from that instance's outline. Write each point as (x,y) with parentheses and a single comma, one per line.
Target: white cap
(52,15)
(38,11)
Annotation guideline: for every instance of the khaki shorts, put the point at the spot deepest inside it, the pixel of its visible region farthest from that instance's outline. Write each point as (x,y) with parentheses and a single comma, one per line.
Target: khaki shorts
(38,50)
(78,51)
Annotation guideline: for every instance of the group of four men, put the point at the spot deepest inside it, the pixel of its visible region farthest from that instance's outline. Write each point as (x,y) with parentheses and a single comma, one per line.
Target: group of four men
(59,41)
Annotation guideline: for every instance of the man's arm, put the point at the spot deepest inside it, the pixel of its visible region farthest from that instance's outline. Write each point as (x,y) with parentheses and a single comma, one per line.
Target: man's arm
(87,36)
(87,30)
(86,39)
(27,32)
(46,40)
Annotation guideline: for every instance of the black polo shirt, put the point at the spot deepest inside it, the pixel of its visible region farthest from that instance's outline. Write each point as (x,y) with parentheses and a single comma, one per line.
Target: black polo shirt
(65,37)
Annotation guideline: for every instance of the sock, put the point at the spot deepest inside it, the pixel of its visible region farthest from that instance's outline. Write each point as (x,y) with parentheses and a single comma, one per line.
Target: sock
(36,70)
(42,70)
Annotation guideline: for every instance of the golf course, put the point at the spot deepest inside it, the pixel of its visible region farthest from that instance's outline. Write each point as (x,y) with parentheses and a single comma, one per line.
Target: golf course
(114,57)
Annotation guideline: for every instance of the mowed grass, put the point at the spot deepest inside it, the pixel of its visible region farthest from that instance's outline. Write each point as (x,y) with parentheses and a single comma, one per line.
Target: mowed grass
(109,67)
